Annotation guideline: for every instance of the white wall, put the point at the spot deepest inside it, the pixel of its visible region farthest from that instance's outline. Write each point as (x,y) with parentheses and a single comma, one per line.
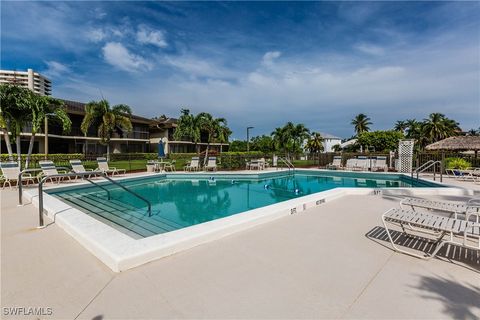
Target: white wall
(329,143)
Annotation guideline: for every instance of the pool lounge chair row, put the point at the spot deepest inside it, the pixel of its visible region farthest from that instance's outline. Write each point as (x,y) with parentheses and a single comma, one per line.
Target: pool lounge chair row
(11,170)
(360,163)
(459,223)
(471,174)
(194,164)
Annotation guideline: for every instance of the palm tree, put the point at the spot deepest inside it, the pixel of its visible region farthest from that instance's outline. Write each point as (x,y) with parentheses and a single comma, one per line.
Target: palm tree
(437,127)
(299,134)
(107,119)
(315,143)
(361,123)
(41,107)
(10,112)
(187,127)
(281,138)
(215,128)
(401,126)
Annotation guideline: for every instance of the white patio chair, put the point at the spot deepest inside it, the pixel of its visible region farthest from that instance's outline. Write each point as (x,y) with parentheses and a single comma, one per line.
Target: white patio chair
(103,167)
(380,164)
(77,167)
(362,164)
(351,164)
(460,232)
(49,169)
(10,172)
(470,207)
(336,163)
(211,164)
(194,165)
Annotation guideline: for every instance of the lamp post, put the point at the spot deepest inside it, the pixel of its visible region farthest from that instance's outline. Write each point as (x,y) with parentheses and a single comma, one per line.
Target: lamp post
(248,138)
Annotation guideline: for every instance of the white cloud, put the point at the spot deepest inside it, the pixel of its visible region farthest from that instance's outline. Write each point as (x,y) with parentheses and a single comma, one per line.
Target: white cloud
(153,37)
(119,56)
(269,57)
(370,49)
(96,35)
(55,69)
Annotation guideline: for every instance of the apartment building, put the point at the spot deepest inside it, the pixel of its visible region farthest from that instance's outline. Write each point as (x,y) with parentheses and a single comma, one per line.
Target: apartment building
(144,137)
(28,79)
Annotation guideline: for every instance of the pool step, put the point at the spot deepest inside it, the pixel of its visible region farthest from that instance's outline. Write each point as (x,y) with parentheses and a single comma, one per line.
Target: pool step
(132,220)
(138,212)
(155,215)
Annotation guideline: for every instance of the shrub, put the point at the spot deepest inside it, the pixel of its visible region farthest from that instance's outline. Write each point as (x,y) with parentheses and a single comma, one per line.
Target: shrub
(380,140)
(457,163)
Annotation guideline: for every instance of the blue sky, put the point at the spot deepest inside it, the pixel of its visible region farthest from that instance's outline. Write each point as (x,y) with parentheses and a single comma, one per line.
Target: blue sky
(258,64)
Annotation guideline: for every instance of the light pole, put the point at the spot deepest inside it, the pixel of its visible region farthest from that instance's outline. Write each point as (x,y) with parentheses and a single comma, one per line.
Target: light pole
(248,138)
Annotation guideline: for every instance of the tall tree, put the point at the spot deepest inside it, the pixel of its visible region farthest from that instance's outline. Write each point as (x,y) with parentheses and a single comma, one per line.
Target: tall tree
(215,128)
(187,127)
(107,119)
(41,107)
(315,143)
(10,112)
(361,123)
(14,115)
(299,134)
(437,127)
(401,126)
(281,138)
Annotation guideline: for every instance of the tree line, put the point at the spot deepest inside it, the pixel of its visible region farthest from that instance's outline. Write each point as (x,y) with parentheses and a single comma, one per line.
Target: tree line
(22,108)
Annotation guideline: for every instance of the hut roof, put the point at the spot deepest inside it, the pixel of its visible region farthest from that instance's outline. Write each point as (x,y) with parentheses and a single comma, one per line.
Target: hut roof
(460,143)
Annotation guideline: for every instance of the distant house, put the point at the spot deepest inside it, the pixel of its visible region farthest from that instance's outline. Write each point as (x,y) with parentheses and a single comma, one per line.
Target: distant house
(329,141)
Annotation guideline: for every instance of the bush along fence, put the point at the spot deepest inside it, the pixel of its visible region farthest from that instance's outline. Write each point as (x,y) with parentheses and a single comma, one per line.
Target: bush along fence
(238,160)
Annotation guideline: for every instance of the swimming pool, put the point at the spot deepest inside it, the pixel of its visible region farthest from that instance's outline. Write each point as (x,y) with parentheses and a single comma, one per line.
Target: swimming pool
(179,201)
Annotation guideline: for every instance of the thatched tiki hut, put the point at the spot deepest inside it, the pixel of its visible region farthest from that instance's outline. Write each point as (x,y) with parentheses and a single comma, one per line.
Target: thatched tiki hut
(460,143)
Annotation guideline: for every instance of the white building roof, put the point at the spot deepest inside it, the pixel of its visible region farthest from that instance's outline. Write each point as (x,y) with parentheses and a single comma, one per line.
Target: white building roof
(329,136)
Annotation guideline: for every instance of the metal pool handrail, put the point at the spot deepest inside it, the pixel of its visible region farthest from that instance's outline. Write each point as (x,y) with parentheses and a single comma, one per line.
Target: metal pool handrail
(428,165)
(20,184)
(287,163)
(82,174)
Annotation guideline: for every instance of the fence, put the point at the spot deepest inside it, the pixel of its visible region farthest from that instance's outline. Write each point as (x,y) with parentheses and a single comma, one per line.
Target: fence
(228,160)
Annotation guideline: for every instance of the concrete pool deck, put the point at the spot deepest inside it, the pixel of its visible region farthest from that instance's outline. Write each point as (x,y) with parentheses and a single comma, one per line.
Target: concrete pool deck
(331,261)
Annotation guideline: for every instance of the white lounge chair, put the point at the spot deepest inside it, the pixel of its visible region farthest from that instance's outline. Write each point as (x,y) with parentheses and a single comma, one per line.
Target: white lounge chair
(211,164)
(336,163)
(351,164)
(194,165)
(77,167)
(471,207)
(380,164)
(103,167)
(254,165)
(10,172)
(461,175)
(362,164)
(170,166)
(460,232)
(49,169)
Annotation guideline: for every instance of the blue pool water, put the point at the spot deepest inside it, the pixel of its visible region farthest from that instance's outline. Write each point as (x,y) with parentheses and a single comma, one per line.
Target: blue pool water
(178,202)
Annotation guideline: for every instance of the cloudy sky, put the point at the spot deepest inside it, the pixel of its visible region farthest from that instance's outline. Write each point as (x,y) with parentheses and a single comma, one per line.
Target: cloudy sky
(257,64)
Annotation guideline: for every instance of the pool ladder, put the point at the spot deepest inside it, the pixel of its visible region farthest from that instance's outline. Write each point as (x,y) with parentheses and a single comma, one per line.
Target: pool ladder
(288,163)
(427,165)
(85,176)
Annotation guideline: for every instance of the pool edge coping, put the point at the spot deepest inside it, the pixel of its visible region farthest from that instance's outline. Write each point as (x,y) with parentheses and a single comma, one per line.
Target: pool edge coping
(120,252)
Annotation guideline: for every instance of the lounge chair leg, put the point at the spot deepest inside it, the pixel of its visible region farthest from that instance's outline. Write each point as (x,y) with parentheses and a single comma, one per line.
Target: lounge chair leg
(395,248)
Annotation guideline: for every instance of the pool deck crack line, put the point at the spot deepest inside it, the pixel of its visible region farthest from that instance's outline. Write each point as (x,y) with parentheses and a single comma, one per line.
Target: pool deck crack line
(95,297)
(366,286)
